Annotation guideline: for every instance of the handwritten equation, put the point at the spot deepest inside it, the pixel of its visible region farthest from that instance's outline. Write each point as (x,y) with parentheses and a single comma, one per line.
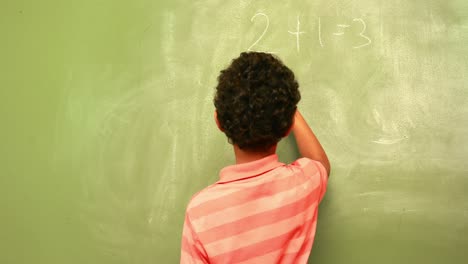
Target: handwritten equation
(340,31)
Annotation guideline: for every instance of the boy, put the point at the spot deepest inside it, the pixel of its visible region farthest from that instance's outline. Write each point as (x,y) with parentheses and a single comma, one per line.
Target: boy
(261,210)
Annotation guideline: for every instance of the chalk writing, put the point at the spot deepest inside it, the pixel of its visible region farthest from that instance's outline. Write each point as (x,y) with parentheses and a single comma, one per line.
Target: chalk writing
(320,31)
(341,30)
(364,27)
(297,33)
(342,26)
(264,30)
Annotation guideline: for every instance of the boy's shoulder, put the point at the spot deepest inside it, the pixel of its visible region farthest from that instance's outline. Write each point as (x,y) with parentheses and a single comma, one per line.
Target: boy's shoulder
(209,196)
(203,196)
(309,165)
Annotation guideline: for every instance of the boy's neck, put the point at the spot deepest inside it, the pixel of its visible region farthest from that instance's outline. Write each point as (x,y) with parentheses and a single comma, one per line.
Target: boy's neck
(243,156)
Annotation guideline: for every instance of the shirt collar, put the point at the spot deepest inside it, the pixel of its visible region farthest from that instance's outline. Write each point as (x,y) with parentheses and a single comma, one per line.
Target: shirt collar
(250,169)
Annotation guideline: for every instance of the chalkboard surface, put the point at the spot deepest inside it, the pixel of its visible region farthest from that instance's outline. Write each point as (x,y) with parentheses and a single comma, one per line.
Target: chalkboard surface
(107,123)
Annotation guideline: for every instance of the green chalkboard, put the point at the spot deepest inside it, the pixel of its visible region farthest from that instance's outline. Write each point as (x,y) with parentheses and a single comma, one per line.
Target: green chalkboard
(107,123)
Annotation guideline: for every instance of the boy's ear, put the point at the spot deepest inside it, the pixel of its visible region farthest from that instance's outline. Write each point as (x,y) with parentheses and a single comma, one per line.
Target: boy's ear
(217,121)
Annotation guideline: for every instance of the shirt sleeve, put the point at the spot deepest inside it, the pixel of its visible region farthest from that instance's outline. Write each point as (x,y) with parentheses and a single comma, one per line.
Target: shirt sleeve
(192,251)
(313,168)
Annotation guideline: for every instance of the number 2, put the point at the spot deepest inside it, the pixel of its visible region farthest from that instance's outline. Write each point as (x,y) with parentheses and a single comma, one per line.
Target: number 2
(264,30)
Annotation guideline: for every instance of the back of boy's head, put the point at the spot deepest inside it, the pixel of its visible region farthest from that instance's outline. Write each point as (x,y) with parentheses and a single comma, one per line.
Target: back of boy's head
(255,100)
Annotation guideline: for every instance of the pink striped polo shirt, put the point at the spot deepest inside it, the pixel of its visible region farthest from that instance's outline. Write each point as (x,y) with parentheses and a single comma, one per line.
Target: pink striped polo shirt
(258,212)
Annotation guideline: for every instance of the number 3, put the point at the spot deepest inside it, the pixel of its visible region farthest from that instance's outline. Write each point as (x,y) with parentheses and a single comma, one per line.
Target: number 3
(369,41)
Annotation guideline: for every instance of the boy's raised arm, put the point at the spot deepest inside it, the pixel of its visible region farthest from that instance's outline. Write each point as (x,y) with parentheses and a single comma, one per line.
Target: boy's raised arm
(307,142)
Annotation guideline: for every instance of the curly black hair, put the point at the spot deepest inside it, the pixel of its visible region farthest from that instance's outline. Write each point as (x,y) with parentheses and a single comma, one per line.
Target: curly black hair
(255,100)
